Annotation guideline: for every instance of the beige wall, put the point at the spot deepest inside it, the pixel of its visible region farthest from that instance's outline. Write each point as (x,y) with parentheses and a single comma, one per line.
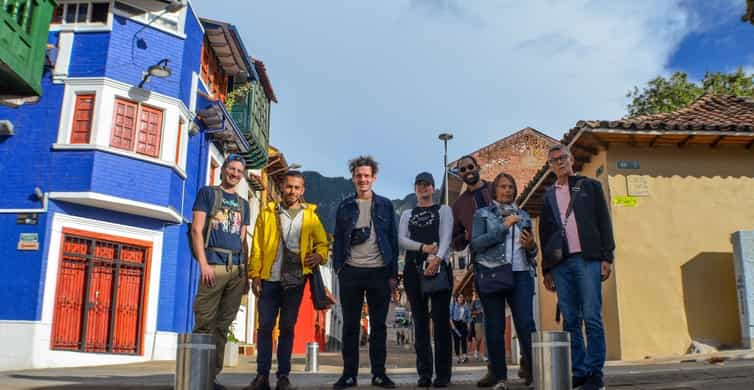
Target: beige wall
(674,269)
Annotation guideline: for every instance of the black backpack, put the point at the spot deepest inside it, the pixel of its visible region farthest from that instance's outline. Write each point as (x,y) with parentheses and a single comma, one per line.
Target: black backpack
(216,205)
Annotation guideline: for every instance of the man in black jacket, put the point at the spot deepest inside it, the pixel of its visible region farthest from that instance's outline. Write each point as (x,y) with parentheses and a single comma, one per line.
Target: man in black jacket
(575,214)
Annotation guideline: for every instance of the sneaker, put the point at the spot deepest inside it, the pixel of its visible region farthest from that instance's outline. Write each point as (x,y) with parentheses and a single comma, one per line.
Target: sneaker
(525,373)
(593,382)
(440,383)
(488,380)
(465,359)
(283,384)
(345,382)
(577,382)
(260,382)
(500,385)
(217,386)
(476,355)
(424,382)
(383,381)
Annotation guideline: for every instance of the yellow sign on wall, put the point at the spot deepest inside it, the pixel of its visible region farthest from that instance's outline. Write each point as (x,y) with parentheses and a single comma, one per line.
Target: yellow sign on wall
(626,201)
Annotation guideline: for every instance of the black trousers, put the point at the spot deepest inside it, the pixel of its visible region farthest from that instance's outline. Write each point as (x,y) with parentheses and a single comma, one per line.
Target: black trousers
(461,338)
(423,308)
(275,300)
(355,283)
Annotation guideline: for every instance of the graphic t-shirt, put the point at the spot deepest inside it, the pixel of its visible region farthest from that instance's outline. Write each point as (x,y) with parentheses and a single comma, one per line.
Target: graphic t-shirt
(225,225)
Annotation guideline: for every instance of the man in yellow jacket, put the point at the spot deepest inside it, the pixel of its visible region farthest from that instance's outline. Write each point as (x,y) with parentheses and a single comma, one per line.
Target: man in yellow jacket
(289,241)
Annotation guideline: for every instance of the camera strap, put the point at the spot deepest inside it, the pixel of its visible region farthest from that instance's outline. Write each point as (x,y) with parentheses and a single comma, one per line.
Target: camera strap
(576,188)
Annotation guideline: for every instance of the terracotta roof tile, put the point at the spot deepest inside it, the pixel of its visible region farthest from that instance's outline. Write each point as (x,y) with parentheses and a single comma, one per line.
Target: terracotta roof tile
(708,113)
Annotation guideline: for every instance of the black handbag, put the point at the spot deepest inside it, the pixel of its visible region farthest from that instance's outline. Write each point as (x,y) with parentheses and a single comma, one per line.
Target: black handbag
(437,283)
(490,280)
(322,299)
(555,248)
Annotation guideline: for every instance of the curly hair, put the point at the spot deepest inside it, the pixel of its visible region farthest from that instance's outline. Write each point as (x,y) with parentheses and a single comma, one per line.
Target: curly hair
(363,161)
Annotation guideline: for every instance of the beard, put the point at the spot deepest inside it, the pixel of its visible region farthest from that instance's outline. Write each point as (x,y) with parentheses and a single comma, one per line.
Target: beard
(471,179)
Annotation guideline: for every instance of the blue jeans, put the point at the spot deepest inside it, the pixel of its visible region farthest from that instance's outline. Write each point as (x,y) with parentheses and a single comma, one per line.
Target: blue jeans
(273,300)
(578,283)
(521,302)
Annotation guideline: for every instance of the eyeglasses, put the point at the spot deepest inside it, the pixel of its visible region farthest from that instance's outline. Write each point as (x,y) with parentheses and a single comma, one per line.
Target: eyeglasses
(561,158)
(467,168)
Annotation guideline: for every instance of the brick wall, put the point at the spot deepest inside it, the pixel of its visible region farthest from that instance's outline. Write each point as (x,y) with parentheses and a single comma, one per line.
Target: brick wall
(521,154)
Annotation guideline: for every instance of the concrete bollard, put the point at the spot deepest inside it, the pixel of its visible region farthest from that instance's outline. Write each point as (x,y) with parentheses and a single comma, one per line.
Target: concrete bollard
(551,358)
(312,357)
(194,361)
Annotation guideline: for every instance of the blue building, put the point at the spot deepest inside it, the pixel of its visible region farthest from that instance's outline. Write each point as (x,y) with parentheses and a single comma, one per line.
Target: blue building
(100,177)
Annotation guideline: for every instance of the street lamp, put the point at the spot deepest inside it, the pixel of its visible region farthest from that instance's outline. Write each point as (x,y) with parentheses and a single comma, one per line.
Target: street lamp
(158,70)
(445,137)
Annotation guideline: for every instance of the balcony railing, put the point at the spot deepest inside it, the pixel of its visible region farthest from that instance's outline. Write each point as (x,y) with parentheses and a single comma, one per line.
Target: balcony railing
(23,40)
(241,109)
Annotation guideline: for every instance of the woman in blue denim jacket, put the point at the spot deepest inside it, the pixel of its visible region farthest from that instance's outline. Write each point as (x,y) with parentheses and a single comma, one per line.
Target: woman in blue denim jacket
(502,234)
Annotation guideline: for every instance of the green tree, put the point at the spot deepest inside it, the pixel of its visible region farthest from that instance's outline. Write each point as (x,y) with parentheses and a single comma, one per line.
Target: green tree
(669,94)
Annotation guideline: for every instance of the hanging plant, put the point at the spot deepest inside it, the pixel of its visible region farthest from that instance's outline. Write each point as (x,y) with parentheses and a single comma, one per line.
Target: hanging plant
(242,90)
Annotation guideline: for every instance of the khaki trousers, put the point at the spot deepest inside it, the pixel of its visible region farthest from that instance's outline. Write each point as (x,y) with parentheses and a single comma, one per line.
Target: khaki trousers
(215,307)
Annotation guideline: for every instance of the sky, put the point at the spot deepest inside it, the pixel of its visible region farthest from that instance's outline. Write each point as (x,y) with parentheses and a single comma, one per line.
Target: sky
(385,77)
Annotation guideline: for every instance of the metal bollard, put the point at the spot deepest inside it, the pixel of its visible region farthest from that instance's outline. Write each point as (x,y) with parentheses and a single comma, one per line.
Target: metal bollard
(312,357)
(194,361)
(551,358)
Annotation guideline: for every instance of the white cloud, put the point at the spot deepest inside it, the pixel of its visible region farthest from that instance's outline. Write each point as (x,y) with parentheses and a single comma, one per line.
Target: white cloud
(384,77)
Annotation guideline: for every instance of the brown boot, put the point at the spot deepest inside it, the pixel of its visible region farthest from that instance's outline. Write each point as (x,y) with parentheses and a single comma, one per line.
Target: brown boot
(488,380)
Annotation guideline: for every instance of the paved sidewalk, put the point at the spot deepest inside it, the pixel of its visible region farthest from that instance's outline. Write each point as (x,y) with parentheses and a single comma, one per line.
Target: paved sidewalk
(735,373)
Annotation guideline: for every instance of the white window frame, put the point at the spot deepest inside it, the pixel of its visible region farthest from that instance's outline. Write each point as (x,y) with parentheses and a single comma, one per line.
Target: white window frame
(85,26)
(106,91)
(154,19)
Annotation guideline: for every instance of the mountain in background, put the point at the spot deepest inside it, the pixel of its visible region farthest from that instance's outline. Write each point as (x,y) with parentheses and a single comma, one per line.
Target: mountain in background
(328,192)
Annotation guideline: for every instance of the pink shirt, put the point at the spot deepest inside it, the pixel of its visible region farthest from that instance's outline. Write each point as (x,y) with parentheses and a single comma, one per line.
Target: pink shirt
(563,195)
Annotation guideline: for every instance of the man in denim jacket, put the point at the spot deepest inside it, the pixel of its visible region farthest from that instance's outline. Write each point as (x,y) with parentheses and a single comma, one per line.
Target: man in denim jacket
(365,255)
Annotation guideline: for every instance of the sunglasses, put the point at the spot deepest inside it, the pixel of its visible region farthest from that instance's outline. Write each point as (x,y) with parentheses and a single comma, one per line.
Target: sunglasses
(561,158)
(235,157)
(467,168)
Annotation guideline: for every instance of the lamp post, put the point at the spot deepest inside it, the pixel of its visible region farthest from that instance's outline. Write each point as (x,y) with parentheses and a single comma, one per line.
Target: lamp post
(445,137)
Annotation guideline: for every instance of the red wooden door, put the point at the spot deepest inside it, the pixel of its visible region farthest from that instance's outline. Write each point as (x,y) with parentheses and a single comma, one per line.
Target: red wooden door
(129,297)
(100,296)
(69,302)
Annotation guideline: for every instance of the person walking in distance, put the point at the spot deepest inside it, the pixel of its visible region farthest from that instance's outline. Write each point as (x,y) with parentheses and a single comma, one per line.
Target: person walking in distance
(365,256)
(577,255)
(477,319)
(460,318)
(425,233)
